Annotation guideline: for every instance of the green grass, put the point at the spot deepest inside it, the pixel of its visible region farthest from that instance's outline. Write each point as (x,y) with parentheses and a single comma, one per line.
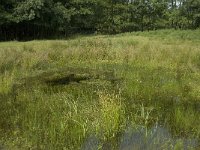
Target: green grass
(142,86)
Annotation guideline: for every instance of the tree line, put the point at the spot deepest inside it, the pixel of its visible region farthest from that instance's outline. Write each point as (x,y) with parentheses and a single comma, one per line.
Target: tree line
(29,19)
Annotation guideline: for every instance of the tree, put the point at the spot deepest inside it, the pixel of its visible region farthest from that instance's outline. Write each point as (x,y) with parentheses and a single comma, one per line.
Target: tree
(29,19)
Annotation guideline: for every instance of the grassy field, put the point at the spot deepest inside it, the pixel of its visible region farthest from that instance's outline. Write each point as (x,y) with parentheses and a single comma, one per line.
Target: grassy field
(128,91)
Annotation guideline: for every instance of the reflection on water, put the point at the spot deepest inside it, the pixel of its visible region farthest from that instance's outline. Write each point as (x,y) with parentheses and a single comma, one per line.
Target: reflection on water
(157,138)
(92,143)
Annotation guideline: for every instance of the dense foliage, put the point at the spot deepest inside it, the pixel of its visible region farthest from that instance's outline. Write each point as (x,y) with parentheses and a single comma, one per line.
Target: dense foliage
(24,19)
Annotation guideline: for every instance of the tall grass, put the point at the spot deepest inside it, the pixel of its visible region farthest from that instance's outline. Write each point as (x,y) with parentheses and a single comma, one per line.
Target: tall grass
(138,86)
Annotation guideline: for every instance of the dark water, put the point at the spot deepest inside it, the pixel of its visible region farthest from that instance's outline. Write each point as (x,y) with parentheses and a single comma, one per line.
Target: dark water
(156,138)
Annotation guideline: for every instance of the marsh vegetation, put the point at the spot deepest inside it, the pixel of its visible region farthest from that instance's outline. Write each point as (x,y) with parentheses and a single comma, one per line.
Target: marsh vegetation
(129,91)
